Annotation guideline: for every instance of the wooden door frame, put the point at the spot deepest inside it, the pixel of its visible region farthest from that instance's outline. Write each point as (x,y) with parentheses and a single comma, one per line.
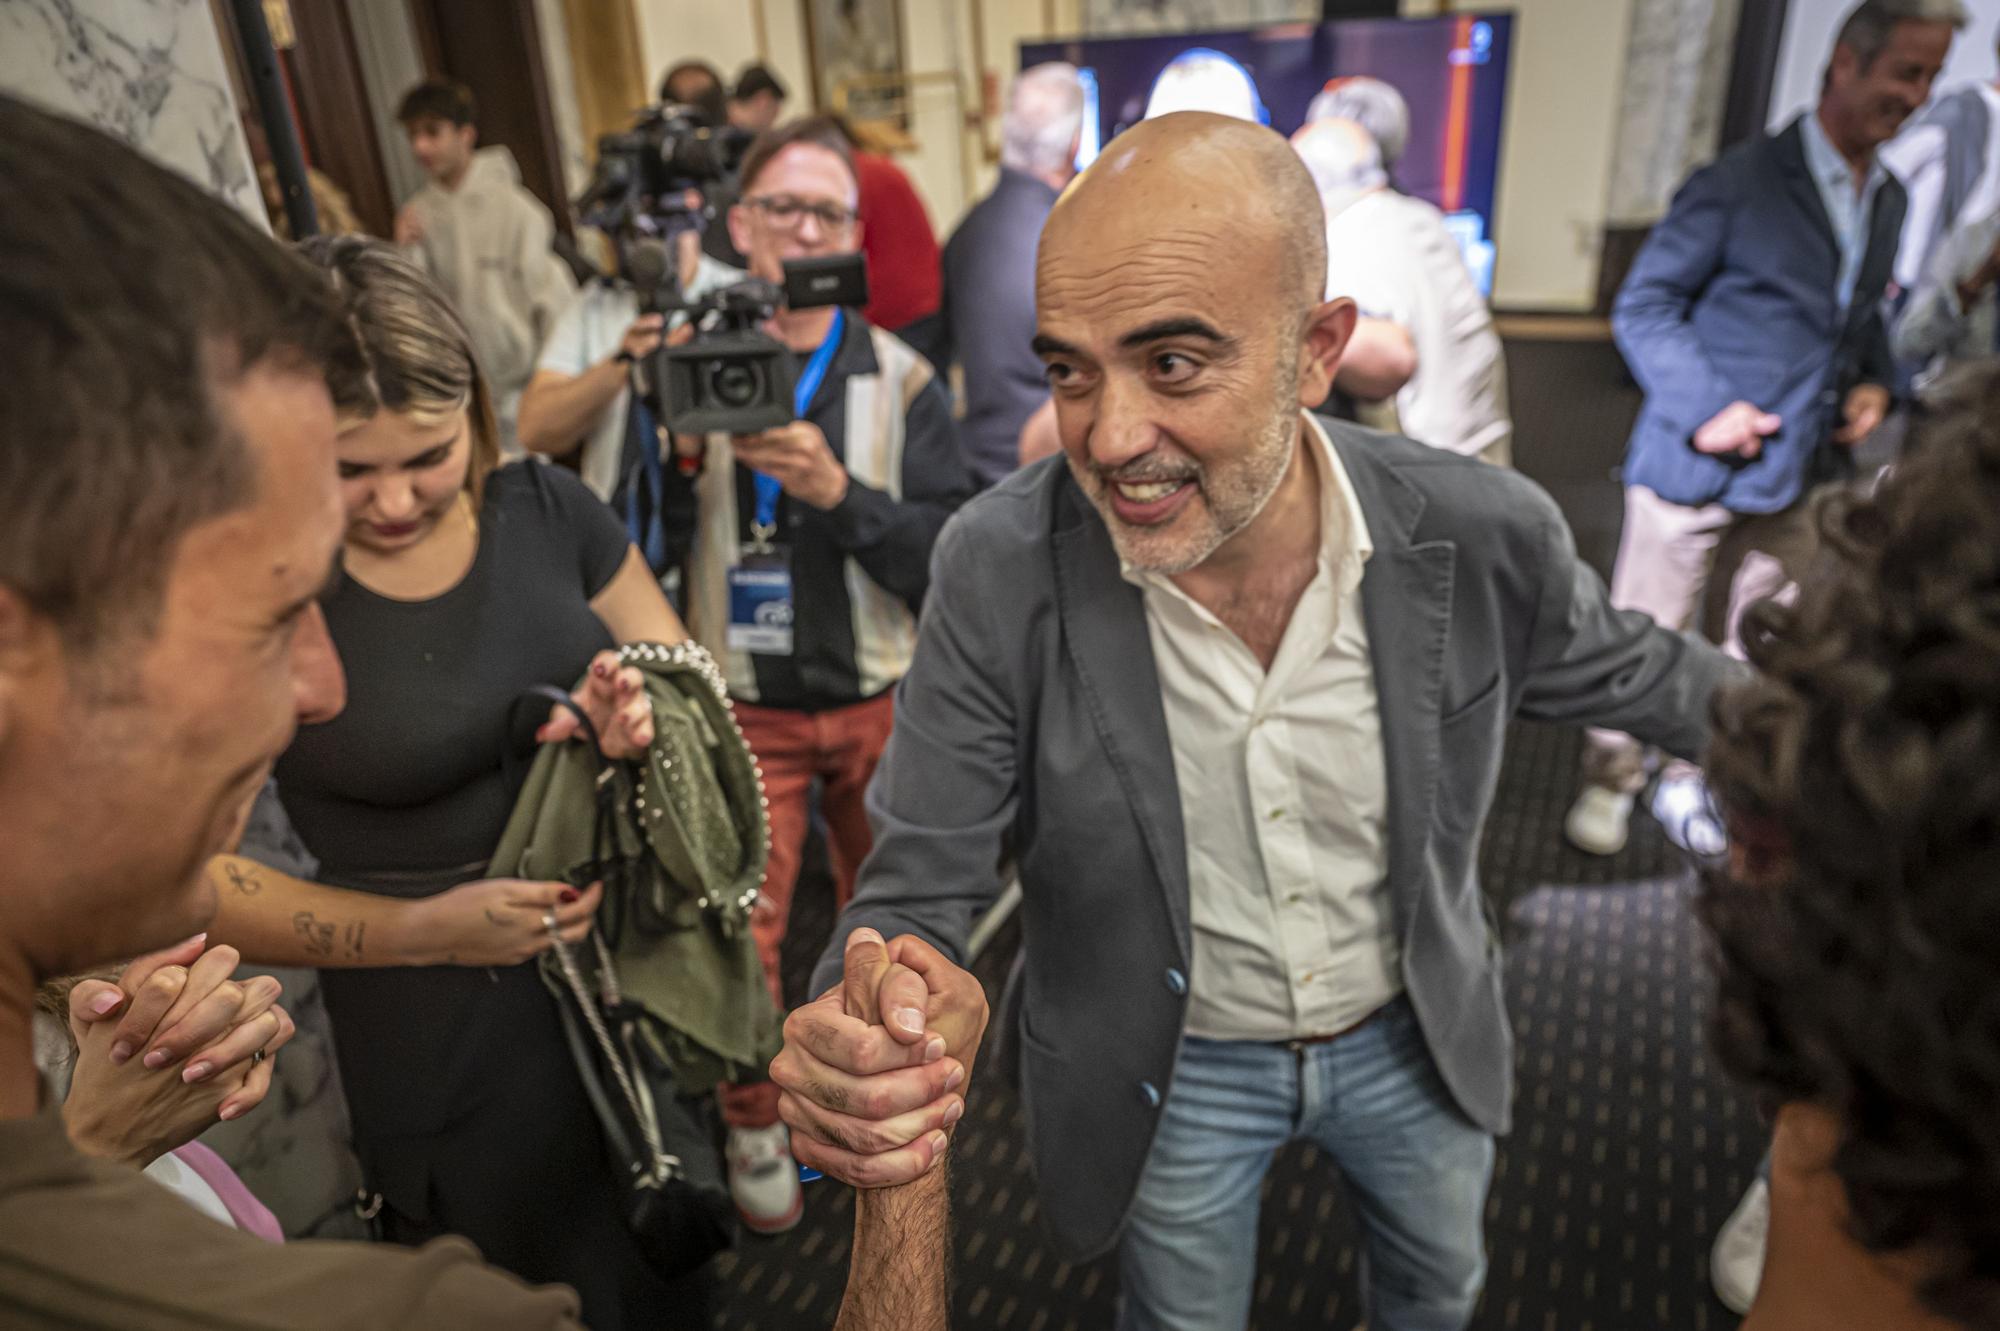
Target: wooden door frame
(331,94)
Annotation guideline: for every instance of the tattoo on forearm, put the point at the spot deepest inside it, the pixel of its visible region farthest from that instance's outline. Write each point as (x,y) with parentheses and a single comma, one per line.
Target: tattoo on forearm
(351,939)
(243,880)
(317,934)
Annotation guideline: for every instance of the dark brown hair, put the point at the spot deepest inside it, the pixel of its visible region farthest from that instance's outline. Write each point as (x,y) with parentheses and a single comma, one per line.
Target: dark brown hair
(819,131)
(712,101)
(416,356)
(755,79)
(128,298)
(1859,966)
(438,99)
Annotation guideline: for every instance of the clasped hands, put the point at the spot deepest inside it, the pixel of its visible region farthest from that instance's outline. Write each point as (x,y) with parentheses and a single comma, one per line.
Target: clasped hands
(873,1074)
(173,1047)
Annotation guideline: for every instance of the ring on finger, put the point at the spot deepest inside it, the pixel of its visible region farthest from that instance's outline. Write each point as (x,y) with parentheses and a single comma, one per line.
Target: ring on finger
(549,920)
(259,1057)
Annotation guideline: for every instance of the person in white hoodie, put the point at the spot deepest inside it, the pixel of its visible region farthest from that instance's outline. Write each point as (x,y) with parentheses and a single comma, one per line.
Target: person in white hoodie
(485,240)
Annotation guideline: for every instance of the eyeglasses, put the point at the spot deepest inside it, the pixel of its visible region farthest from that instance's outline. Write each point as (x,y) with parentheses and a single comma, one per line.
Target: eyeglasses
(789,214)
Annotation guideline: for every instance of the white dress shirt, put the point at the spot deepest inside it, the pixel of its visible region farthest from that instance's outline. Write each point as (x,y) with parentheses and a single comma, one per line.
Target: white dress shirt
(1850,210)
(1282,797)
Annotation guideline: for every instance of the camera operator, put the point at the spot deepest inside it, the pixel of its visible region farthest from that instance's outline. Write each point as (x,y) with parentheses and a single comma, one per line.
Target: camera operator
(578,401)
(809,558)
(696,85)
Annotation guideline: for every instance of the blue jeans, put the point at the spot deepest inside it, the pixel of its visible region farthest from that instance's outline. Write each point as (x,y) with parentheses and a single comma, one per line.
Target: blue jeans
(1417,1171)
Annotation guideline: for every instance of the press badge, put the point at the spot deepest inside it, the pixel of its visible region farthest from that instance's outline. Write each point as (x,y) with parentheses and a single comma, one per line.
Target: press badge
(760,602)
(760,586)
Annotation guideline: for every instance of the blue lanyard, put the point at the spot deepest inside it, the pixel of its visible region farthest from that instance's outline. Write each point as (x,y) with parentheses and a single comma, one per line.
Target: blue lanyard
(768,488)
(645,493)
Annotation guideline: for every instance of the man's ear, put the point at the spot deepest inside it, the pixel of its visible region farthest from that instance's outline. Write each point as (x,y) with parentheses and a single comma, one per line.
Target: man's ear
(739,228)
(1328,329)
(29,646)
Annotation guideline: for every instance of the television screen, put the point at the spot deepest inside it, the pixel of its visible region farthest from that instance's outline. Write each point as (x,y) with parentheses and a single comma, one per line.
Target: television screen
(1452,71)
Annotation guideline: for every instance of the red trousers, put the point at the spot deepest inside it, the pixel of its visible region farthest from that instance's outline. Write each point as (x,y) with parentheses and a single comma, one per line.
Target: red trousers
(840,748)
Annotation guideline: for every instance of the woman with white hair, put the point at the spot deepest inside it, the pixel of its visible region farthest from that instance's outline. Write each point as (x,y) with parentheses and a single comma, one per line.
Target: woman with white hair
(1370,103)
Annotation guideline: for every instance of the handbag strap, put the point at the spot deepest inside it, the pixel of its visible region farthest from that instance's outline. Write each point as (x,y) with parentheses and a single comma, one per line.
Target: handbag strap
(515,767)
(662,1166)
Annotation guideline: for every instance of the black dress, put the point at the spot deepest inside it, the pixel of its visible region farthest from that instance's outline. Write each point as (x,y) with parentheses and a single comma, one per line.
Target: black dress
(468,1115)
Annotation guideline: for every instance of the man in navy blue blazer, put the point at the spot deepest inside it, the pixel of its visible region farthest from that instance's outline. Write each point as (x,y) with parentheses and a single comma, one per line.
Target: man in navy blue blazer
(989,268)
(1752,318)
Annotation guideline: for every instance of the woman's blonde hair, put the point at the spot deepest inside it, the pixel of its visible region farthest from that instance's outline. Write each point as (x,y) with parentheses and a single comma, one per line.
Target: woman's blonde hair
(416,355)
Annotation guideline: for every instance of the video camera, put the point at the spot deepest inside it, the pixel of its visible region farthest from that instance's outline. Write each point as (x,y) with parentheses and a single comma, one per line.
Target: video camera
(643,172)
(733,377)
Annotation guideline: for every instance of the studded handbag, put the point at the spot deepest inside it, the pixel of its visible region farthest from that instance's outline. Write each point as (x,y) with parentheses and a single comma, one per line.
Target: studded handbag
(678,836)
(675,1198)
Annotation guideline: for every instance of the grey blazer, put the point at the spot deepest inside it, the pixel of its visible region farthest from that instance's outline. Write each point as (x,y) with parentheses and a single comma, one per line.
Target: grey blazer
(1031,724)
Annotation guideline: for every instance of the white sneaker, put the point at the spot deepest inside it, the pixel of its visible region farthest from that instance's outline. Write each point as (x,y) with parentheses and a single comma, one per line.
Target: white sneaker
(1687,815)
(1736,1266)
(764,1179)
(1599,821)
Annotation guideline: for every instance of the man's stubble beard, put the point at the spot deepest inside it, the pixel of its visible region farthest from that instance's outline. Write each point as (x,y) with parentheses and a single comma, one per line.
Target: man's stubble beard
(1232,497)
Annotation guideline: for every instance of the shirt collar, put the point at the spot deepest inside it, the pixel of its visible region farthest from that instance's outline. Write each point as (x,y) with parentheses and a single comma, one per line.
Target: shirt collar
(1339,513)
(1828,167)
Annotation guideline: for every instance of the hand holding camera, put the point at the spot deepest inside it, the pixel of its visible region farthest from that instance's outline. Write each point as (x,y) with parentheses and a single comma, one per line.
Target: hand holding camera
(797,457)
(643,338)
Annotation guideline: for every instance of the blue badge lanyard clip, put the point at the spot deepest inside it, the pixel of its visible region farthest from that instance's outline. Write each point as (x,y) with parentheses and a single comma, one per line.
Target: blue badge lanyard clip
(765,524)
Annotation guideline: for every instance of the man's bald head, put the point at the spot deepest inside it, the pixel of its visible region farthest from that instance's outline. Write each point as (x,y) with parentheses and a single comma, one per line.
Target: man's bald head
(1193,178)
(1343,160)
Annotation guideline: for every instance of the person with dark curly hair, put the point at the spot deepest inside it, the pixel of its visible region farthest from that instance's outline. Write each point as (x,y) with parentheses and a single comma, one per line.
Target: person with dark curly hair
(1857,925)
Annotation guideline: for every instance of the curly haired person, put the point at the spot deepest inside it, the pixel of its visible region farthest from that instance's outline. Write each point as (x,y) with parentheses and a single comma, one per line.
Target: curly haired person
(1857,926)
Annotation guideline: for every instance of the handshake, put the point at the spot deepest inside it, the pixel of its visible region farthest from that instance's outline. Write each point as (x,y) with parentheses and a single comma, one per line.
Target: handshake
(873,1074)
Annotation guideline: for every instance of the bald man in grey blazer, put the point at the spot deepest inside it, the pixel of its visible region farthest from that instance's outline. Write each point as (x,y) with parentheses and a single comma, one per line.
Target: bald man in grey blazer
(1230,684)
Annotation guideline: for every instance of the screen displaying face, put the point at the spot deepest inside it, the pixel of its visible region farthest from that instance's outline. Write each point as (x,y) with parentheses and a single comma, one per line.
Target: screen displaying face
(1451,72)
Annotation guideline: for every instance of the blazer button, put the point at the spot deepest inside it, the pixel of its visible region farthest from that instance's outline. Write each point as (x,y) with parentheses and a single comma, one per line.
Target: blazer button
(1150,1094)
(1176,982)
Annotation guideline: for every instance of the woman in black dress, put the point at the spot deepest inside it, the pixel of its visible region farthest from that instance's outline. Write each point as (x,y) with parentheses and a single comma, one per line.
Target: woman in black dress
(466,583)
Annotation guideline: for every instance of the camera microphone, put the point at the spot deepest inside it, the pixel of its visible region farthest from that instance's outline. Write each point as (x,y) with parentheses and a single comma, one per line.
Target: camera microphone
(651,270)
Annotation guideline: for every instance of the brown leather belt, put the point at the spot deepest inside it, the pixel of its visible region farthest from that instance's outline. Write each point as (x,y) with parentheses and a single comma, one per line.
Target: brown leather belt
(1304,1043)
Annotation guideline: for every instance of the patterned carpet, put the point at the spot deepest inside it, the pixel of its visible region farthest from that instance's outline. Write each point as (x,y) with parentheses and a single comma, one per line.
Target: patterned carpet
(1629,1148)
